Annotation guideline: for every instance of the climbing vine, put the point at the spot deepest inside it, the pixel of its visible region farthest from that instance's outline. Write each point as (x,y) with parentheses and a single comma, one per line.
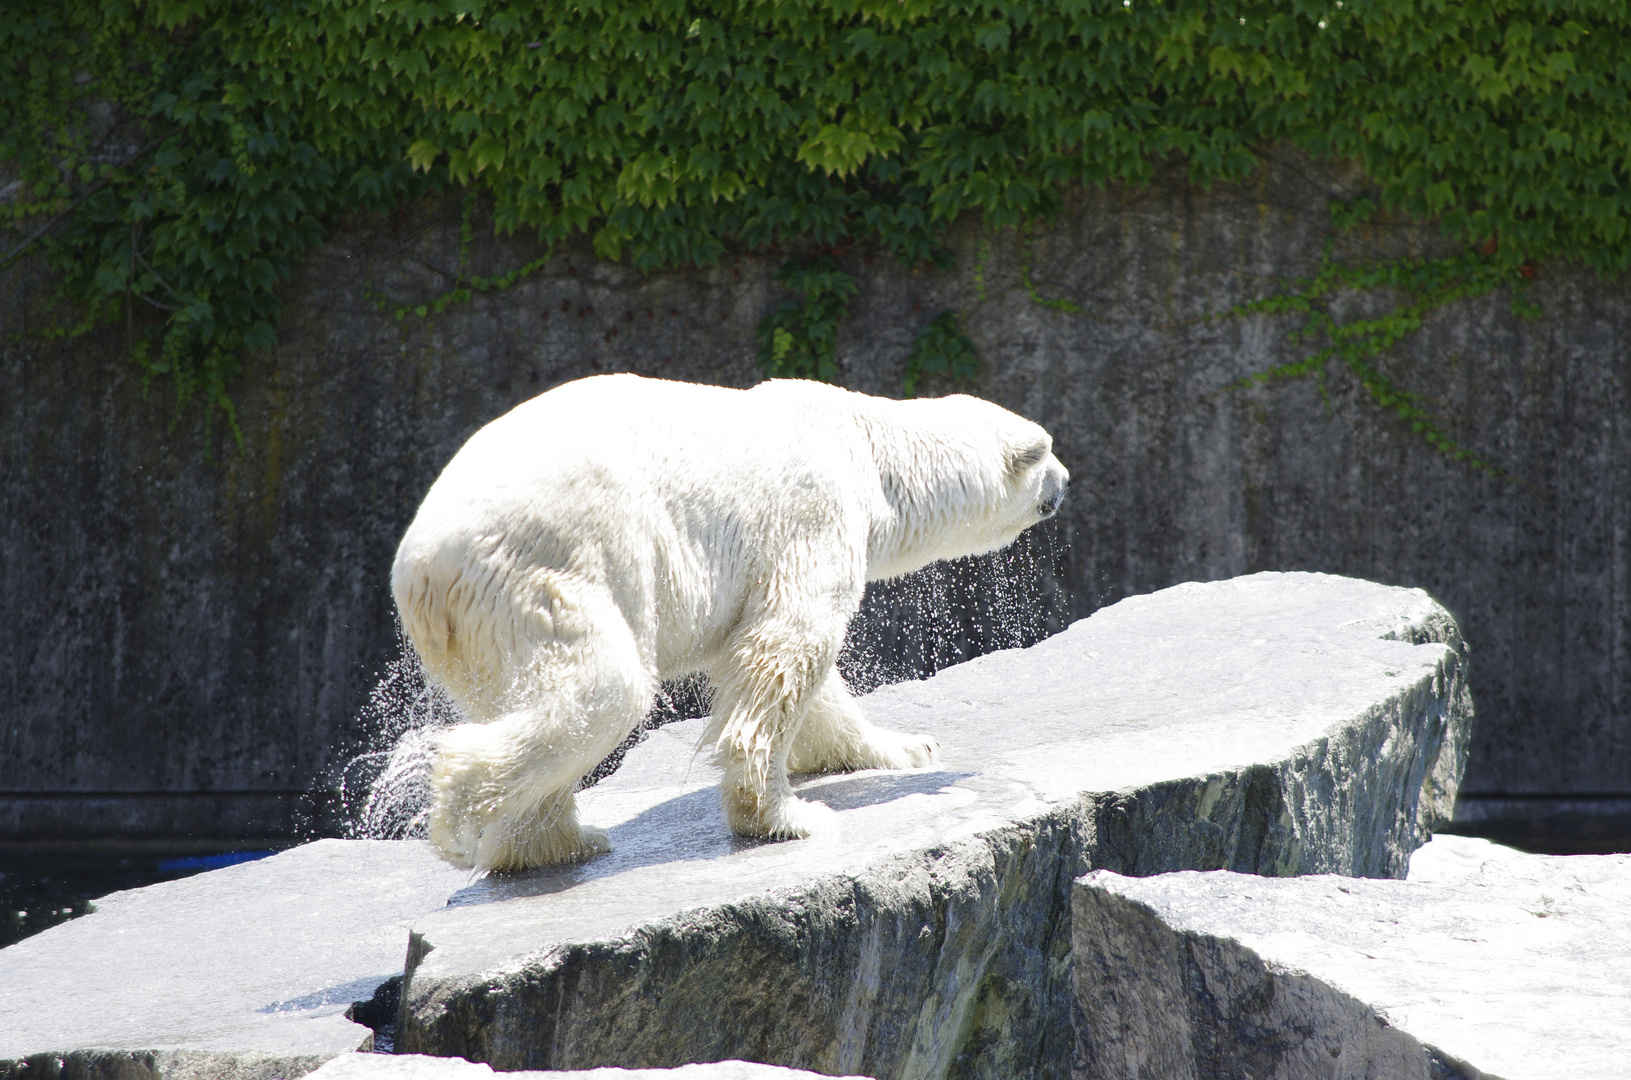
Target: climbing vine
(799,340)
(1420,286)
(173,158)
(941,349)
(1416,287)
(1068,307)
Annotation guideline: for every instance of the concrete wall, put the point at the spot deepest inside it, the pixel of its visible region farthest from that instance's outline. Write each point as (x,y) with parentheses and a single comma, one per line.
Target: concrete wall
(186,644)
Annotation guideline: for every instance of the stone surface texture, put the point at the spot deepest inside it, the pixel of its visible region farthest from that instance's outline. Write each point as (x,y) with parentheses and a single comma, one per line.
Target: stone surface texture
(187,643)
(423,1067)
(243,973)
(1486,963)
(1273,724)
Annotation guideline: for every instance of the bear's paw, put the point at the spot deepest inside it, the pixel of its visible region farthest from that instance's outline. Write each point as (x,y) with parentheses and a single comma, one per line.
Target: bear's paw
(777,819)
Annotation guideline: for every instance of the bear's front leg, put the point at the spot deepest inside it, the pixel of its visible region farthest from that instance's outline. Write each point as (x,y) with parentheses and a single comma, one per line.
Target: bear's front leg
(759,701)
(760,802)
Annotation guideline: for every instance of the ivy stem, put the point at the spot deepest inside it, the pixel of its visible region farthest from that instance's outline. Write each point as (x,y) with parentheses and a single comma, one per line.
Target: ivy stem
(77,203)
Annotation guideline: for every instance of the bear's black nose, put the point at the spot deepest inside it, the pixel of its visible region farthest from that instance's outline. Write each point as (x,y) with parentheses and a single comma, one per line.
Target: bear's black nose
(1050,505)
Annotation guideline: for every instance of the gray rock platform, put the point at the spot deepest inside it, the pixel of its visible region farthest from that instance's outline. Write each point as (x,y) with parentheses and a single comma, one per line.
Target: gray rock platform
(245,972)
(1486,963)
(1276,724)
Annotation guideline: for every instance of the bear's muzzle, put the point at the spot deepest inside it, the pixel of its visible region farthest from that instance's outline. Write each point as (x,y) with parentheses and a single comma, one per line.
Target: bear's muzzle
(1050,501)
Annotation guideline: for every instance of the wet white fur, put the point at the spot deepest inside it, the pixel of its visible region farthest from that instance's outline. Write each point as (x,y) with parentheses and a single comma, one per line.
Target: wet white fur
(618,531)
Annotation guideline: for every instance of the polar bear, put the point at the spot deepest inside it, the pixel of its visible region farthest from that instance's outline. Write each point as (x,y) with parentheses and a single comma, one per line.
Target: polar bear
(617,531)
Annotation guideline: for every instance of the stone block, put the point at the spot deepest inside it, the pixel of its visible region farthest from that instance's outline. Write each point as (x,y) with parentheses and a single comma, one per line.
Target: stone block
(1486,963)
(1274,724)
(243,973)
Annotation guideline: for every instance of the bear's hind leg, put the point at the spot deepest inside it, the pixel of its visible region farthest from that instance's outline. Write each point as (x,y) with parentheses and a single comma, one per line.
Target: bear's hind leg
(497,806)
(835,737)
(502,792)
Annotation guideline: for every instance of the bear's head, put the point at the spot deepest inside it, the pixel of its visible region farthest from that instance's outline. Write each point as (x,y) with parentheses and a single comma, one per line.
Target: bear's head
(960,476)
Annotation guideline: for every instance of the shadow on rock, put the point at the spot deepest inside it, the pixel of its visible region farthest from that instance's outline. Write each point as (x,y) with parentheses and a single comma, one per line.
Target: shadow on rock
(853,792)
(690,827)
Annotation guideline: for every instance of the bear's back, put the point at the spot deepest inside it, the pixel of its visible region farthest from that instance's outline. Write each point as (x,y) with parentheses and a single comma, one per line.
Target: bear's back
(621,461)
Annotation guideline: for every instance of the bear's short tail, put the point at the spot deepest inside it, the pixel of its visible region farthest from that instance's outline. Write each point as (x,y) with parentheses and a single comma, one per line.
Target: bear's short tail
(471,633)
(484,626)
(421,603)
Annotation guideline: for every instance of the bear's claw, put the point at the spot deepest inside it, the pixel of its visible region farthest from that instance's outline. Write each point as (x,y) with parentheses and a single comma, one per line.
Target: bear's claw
(596,841)
(921,750)
(895,750)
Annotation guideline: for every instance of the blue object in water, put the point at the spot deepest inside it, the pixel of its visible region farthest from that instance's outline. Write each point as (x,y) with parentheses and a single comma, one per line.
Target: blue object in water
(213,862)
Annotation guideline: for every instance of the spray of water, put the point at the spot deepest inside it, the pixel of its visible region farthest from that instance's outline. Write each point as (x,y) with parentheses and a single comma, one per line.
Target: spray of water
(385,791)
(950,612)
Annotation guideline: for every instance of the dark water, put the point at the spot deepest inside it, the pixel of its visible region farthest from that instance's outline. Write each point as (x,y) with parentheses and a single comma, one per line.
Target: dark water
(1537,839)
(42,886)
(1548,825)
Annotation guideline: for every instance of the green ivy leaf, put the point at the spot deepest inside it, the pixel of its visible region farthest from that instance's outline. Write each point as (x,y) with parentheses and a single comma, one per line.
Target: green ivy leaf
(940,349)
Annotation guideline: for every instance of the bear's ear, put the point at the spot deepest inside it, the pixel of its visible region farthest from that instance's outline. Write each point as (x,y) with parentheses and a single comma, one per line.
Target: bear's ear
(1020,460)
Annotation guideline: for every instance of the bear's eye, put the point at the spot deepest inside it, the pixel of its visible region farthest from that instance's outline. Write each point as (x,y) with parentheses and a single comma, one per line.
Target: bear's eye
(1031,455)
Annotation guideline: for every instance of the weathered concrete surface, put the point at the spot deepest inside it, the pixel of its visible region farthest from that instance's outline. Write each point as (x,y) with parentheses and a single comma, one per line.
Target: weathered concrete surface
(243,973)
(1273,724)
(421,1067)
(171,625)
(1487,963)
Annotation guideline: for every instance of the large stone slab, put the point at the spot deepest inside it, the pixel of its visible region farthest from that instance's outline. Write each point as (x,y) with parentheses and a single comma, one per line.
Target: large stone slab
(1487,963)
(1273,724)
(243,973)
